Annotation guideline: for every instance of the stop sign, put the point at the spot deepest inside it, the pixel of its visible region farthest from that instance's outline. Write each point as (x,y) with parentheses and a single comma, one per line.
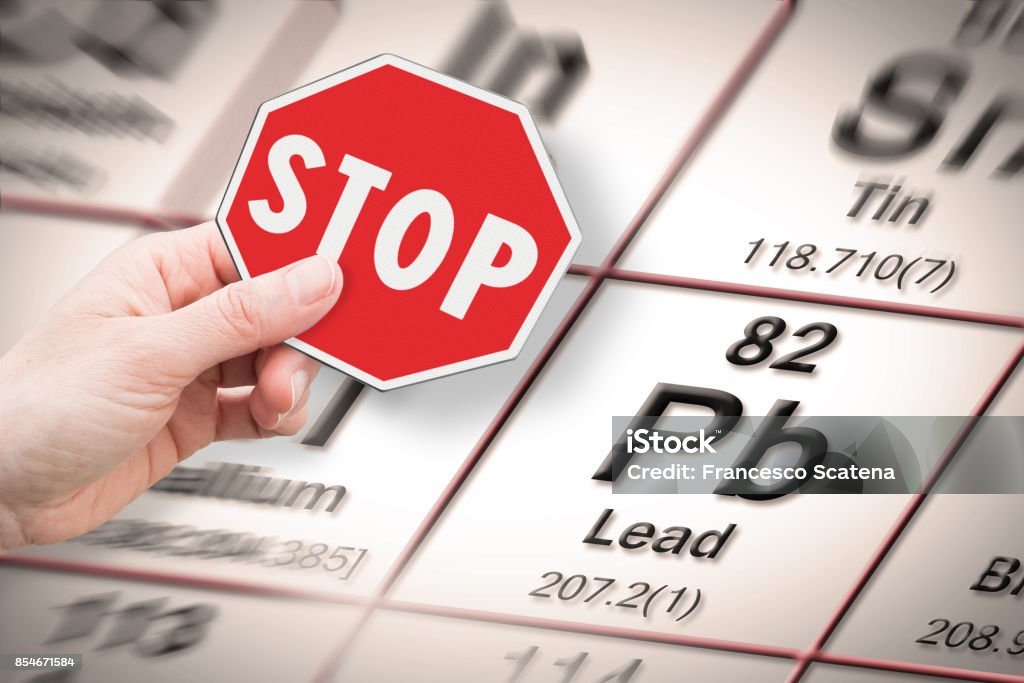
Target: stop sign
(436,197)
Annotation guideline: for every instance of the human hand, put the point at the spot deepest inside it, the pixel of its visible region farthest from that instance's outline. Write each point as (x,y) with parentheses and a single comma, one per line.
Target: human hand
(155,354)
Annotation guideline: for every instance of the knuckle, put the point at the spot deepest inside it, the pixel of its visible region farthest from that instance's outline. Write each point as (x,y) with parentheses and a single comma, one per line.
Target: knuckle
(240,308)
(149,246)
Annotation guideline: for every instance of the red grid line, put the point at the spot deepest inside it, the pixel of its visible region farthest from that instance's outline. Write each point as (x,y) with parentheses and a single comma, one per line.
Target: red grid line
(817,298)
(178,579)
(903,521)
(71,209)
(916,669)
(173,222)
(181,220)
(696,642)
(590,629)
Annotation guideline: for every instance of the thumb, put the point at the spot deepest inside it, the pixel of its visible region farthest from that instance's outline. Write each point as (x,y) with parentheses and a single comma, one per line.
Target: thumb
(250,315)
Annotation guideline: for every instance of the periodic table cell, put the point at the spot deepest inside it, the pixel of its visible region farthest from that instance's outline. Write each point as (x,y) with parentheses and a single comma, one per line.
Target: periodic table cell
(132,631)
(956,571)
(398,647)
(884,164)
(127,105)
(523,518)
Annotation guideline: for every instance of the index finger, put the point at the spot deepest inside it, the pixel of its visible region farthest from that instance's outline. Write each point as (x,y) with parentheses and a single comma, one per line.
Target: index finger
(193,263)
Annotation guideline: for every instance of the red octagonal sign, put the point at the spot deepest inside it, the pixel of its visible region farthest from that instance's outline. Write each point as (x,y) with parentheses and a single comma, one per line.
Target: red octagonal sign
(436,197)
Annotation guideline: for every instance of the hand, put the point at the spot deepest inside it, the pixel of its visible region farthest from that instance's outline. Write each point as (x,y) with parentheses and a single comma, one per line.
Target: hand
(152,356)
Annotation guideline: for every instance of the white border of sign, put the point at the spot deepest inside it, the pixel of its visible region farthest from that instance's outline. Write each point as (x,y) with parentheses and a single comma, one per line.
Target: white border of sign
(575,237)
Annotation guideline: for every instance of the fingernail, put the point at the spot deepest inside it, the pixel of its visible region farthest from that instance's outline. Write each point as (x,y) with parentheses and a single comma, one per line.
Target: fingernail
(311,279)
(300,380)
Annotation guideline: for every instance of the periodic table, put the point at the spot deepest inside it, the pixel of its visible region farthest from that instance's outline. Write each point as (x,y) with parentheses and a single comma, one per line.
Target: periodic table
(844,165)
